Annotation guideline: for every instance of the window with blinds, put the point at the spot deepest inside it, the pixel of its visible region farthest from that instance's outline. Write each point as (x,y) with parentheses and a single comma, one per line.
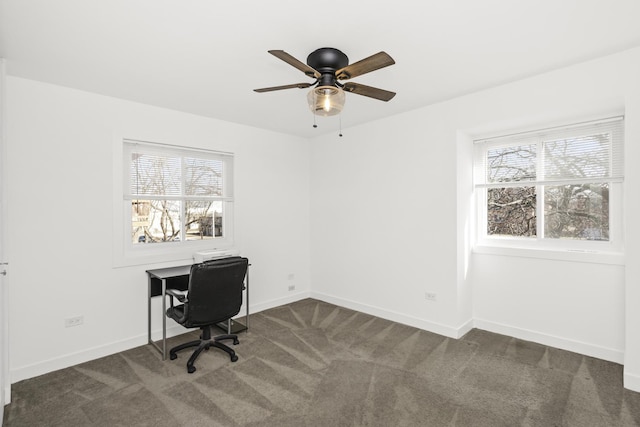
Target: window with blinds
(560,184)
(176,195)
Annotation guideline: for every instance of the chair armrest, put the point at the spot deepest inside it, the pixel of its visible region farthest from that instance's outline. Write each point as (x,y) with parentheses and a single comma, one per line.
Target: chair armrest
(180,295)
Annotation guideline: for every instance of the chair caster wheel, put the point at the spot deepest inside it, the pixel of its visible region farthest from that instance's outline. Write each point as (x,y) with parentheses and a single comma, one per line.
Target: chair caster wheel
(191,369)
(234,358)
(236,342)
(173,356)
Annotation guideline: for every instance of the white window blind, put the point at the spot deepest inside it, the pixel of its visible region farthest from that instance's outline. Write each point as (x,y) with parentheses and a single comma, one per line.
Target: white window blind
(589,152)
(170,173)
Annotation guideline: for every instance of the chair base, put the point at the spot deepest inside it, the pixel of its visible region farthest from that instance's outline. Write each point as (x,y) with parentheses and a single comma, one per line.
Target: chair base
(204,343)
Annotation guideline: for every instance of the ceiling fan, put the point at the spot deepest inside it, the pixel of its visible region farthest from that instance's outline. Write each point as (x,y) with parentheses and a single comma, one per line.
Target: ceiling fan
(328,65)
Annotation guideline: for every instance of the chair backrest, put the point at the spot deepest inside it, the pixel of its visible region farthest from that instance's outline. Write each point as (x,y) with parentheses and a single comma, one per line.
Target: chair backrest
(215,290)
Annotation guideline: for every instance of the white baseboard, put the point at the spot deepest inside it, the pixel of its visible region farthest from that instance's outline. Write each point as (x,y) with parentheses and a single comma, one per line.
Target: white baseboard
(438,328)
(297,296)
(604,353)
(631,381)
(465,328)
(67,360)
(71,359)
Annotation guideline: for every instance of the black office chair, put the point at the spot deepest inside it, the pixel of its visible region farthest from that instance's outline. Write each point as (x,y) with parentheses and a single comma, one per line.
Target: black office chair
(214,295)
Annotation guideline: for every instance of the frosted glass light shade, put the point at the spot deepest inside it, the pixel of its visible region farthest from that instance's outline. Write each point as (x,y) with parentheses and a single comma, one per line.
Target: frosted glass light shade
(326,100)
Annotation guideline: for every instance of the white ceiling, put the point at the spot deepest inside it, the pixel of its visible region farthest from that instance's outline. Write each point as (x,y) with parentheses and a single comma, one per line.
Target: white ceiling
(206,56)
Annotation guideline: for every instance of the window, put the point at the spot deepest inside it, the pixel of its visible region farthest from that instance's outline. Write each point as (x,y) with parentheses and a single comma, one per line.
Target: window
(554,188)
(176,197)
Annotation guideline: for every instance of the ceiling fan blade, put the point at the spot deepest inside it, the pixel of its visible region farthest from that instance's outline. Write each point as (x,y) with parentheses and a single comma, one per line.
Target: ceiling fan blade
(281,54)
(371,92)
(372,63)
(295,85)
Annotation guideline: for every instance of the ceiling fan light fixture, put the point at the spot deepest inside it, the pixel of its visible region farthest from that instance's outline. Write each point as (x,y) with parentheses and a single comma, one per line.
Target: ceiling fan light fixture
(326,100)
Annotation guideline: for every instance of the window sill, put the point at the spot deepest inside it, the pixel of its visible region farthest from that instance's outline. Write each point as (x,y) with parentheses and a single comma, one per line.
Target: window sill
(594,257)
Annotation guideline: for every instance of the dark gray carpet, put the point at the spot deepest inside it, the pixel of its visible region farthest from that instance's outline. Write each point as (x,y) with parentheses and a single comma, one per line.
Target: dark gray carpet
(315,364)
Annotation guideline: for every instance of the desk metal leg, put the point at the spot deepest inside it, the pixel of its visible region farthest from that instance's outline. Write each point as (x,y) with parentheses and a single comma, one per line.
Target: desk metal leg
(149,313)
(163,349)
(164,319)
(247,282)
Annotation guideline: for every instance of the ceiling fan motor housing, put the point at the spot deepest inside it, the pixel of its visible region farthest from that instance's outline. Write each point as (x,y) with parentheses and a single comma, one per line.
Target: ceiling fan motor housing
(327,61)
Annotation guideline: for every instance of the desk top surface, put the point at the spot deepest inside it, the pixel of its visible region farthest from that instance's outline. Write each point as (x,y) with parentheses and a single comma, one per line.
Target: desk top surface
(165,273)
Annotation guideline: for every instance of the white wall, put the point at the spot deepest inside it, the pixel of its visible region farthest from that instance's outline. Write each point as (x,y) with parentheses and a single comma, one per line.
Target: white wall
(60,146)
(632,213)
(384,220)
(391,220)
(577,306)
(5,384)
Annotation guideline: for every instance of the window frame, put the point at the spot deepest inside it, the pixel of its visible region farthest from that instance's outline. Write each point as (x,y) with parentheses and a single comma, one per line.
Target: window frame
(539,246)
(127,253)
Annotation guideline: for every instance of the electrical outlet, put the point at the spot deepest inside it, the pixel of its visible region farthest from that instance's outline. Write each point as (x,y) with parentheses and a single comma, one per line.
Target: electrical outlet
(431,296)
(292,287)
(73,321)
